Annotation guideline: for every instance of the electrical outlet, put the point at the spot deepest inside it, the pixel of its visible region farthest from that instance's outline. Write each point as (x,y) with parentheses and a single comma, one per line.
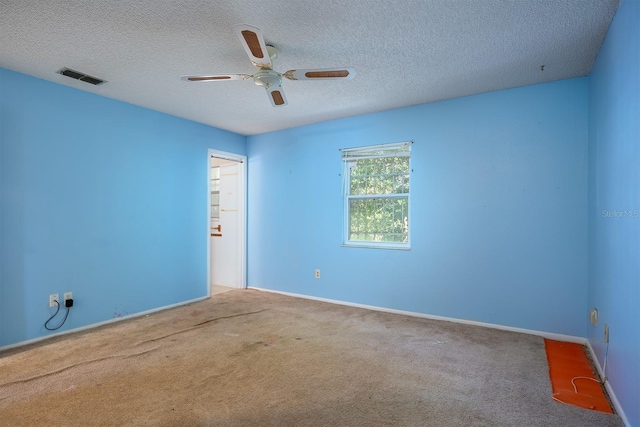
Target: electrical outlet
(52,300)
(66,296)
(606,333)
(317,273)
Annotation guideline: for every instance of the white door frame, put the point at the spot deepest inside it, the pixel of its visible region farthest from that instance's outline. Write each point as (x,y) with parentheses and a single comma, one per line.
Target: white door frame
(242,214)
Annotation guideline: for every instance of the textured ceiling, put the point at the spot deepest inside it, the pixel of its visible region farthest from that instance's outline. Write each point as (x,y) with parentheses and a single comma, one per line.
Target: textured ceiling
(404,52)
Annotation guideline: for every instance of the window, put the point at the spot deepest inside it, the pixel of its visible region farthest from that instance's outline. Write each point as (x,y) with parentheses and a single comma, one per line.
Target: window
(376,195)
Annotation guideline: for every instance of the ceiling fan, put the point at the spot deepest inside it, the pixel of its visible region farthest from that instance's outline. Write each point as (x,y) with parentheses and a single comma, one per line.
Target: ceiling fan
(262,55)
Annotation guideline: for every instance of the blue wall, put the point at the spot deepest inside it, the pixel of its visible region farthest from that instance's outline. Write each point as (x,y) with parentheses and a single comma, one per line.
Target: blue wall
(614,187)
(101,198)
(498,210)
(108,200)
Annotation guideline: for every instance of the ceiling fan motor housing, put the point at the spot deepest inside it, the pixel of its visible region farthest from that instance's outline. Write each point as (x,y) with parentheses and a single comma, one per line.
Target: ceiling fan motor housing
(267,78)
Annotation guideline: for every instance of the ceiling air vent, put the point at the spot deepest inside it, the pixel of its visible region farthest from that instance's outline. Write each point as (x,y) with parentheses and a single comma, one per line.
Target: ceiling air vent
(80,76)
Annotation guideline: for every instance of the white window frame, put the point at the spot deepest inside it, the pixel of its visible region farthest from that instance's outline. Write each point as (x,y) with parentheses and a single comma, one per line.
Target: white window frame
(374,151)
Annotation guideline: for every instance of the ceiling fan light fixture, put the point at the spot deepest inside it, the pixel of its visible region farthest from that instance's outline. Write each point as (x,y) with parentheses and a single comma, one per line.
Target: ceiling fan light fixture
(267,78)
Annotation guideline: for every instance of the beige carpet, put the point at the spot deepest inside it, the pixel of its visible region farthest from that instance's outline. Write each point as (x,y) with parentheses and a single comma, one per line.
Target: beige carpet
(249,358)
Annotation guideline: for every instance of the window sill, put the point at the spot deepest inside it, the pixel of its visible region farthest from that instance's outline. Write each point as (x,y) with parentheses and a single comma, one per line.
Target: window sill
(365,245)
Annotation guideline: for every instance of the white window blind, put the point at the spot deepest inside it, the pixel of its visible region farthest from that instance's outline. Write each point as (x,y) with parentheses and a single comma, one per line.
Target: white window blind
(397,149)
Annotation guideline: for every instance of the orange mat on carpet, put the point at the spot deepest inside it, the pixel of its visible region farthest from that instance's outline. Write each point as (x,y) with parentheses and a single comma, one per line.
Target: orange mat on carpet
(573,379)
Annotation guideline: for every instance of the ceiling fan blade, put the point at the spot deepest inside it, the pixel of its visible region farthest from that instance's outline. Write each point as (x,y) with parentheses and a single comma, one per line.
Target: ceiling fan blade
(320,74)
(276,96)
(215,77)
(253,43)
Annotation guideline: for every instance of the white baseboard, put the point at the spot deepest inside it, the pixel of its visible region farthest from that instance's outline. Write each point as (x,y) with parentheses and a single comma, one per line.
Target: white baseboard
(607,385)
(95,325)
(549,335)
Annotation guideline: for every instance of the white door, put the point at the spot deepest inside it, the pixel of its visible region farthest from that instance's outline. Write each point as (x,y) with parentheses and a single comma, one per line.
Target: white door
(225,250)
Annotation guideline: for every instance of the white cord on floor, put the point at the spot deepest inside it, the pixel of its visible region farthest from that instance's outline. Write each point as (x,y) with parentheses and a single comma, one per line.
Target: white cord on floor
(575,389)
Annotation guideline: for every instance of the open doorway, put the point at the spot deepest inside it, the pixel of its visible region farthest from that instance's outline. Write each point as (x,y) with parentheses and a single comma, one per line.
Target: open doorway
(227,221)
